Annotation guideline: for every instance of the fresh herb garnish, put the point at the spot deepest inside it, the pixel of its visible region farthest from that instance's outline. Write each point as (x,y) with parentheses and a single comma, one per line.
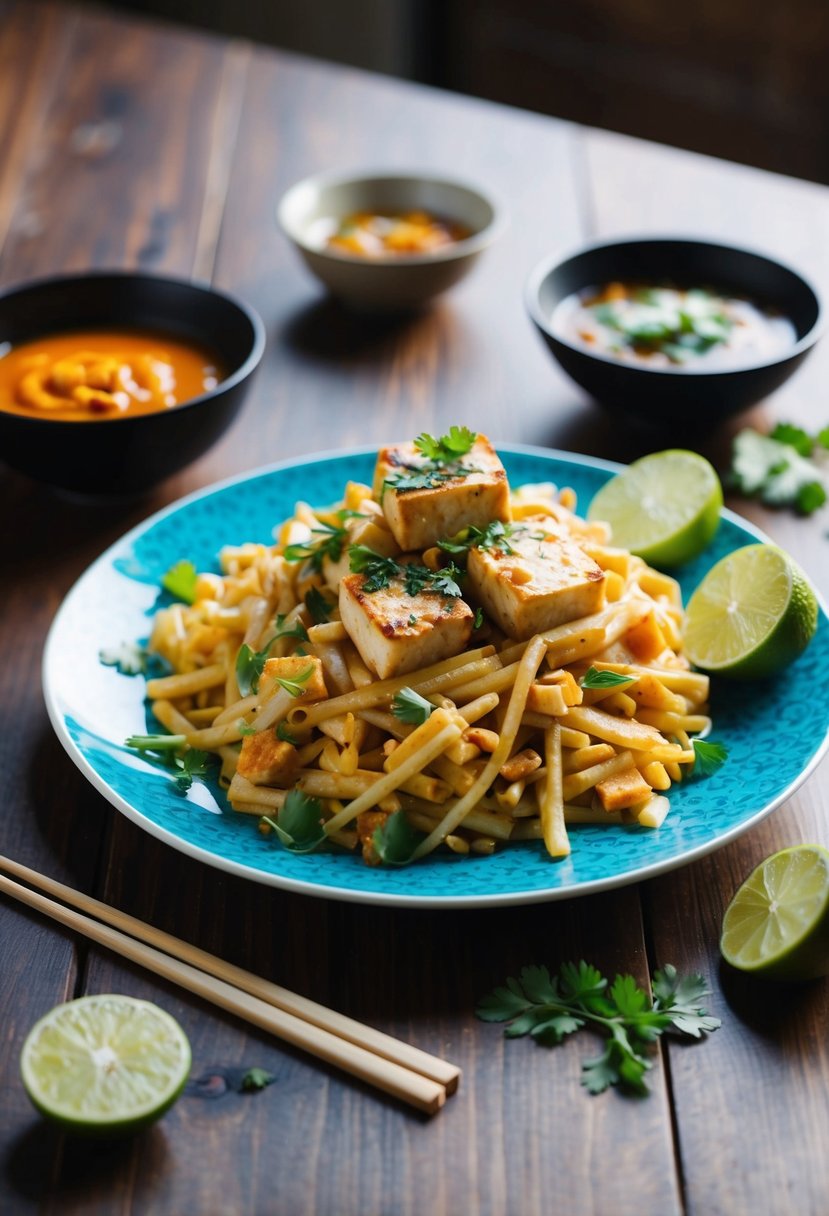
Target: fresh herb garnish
(379,571)
(781,469)
(284,735)
(479,618)
(296,685)
(180,581)
(448,448)
(250,663)
(318,606)
(409,706)
(244,730)
(680,326)
(299,822)
(395,840)
(255,1079)
(155,743)
(129,658)
(330,540)
(708,757)
(443,461)
(551,1007)
(593,678)
(496,535)
(195,763)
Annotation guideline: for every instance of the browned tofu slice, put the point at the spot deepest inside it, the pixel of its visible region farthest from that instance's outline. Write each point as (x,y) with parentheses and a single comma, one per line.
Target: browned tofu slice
(396,632)
(536,580)
(294,667)
(266,760)
(475,492)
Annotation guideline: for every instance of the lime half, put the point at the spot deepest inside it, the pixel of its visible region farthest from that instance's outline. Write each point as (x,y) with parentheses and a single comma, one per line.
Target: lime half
(752,614)
(106,1064)
(664,507)
(777,924)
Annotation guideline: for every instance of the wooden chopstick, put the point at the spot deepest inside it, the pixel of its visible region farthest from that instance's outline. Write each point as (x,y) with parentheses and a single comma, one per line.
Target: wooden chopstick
(423,1092)
(384,1045)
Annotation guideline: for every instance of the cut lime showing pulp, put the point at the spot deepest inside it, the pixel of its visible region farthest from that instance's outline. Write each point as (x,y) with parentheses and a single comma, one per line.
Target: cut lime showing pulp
(105,1064)
(777,924)
(664,507)
(752,614)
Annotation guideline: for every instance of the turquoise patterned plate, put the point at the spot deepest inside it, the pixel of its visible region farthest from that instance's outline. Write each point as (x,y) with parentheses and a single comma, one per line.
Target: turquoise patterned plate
(94,708)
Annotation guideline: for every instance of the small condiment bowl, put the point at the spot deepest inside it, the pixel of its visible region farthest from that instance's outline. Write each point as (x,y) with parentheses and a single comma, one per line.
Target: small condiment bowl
(127,455)
(686,396)
(394,281)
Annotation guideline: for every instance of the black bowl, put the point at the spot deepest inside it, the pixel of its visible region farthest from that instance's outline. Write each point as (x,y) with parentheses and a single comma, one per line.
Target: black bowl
(675,397)
(124,456)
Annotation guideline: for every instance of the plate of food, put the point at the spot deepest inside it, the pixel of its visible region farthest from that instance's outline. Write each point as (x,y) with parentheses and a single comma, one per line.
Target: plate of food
(424,676)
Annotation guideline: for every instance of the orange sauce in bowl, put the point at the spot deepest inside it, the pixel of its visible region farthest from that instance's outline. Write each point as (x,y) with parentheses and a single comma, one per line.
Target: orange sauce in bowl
(94,375)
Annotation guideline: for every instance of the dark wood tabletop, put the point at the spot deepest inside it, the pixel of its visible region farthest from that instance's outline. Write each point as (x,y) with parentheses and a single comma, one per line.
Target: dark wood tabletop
(131,144)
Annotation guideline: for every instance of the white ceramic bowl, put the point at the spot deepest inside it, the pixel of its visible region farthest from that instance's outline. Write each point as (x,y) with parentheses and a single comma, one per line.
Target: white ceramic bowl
(395,281)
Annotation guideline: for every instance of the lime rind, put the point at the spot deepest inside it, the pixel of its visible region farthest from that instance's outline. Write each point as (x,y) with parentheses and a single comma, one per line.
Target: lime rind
(105,1064)
(752,614)
(664,507)
(777,924)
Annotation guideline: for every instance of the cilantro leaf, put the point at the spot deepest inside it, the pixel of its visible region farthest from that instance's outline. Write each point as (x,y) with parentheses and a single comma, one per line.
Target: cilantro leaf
(409,706)
(299,822)
(450,447)
(284,735)
(496,535)
(425,478)
(708,757)
(195,763)
(396,840)
(795,436)
(326,540)
(129,658)
(550,1007)
(255,1079)
(296,686)
(180,581)
(249,666)
(593,678)
(318,606)
(777,472)
(379,571)
(479,618)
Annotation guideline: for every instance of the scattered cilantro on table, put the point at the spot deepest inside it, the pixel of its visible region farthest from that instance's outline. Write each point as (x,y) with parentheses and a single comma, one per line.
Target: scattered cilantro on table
(550,1007)
(255,1079)
(783,469)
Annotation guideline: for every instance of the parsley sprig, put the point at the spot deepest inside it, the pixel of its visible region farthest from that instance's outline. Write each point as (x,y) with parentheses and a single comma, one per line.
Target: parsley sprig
(457,442)
(496,535)
(250,663)
(165,749)
(593,678)
(551,1007)
(444,461)
(299,822)
(708,757)
(330,541)
(409,706)
(379,572)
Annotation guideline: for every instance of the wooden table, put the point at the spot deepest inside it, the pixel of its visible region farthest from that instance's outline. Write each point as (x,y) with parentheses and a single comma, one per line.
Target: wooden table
(136,145)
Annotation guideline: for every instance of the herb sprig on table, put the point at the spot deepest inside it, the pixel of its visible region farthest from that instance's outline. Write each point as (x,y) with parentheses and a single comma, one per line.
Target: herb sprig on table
(550,1007)
(783,468)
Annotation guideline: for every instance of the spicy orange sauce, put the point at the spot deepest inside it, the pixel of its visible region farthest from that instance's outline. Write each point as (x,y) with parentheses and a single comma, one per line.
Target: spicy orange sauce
(93,375)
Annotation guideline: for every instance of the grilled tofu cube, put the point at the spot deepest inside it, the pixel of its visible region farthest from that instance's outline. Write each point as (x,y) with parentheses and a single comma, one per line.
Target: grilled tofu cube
(293,667)
(396,632)
(266,760)
(535,580)
(475,492)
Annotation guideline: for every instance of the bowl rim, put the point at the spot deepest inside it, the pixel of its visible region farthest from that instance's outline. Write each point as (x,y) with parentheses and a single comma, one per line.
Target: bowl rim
(457,250)
(241,373)
(547,265)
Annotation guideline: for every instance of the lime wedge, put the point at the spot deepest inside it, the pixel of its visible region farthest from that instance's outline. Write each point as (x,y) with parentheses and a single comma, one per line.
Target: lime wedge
(777,924)
(105,1065)
(752,614)
(664,507)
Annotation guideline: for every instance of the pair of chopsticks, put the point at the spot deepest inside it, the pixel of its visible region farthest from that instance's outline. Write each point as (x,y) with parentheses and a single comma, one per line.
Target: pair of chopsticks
(396,1068)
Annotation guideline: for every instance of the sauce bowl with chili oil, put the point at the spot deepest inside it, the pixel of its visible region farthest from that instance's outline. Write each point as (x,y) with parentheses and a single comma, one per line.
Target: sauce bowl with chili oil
(118,452)
(643,383)
(391,277)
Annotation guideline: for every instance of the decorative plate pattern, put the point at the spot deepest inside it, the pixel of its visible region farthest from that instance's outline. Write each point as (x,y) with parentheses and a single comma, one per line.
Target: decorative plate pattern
(775,732)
